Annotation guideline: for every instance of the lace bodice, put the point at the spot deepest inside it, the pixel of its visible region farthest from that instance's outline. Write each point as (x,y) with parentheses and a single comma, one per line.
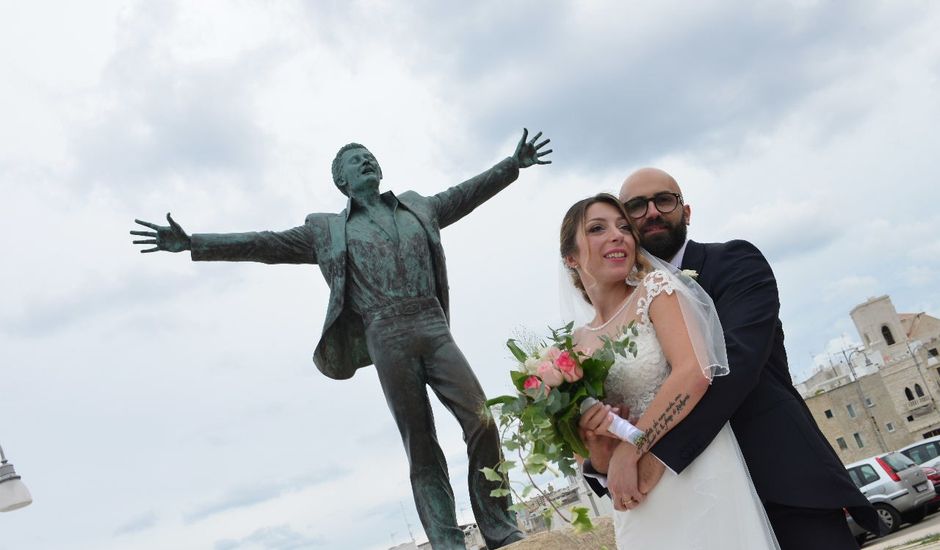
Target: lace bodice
(634,381)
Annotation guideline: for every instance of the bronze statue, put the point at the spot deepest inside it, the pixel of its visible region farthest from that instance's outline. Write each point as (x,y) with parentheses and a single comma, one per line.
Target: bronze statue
(383,260)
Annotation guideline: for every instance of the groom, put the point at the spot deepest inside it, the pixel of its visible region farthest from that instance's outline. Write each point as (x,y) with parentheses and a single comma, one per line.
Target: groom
(383,260)
(799,478)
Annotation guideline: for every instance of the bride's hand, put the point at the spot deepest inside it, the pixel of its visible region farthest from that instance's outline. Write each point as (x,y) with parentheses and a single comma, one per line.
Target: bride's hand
(622,478)
(596,420)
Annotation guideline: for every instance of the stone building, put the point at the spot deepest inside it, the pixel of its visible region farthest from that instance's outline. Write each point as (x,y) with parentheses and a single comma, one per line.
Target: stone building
(885,394)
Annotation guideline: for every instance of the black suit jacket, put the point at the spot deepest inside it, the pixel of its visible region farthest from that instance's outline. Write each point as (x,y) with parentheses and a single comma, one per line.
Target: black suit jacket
(789,459)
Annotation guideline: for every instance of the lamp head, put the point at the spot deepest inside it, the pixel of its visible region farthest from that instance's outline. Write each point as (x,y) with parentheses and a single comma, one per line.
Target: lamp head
(13,493)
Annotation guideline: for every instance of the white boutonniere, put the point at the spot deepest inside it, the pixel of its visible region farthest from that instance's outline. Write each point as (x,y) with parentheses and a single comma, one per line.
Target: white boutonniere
(690,273)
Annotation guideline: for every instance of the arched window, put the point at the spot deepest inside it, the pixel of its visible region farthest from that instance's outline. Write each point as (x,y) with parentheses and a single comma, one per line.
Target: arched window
(886,332)
(918,390)
(908,394)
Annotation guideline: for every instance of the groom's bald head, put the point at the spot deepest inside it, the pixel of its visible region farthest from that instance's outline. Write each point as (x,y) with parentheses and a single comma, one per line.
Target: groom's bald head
(646,182)
(661,233)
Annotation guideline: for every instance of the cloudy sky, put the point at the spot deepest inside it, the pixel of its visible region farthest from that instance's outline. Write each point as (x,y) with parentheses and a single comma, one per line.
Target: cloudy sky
(149,402)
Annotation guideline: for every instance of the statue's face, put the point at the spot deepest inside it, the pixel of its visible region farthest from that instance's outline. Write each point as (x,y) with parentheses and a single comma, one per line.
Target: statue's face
(360,171)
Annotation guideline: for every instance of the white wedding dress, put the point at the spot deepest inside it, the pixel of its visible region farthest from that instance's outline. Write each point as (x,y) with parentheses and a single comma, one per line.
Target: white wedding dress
(712,505)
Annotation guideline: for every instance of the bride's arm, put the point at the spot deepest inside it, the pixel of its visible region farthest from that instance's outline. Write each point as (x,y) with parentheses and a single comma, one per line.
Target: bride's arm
(680,392)
(686,383)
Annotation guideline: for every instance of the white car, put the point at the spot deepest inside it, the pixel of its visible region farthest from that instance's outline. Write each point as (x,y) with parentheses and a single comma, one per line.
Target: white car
(924,453)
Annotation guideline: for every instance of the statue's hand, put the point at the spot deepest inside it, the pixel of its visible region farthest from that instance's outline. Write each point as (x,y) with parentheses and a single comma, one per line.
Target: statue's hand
(171,238)
(527,152)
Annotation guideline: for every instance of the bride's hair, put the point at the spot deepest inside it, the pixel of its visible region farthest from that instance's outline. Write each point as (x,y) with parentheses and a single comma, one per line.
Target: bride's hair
(573,224)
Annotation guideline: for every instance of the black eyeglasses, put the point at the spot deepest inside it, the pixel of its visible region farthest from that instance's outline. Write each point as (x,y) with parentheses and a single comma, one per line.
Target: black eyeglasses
(665,202)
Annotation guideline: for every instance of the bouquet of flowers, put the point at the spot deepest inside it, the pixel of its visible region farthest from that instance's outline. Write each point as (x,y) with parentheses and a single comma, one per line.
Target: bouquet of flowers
(539,424)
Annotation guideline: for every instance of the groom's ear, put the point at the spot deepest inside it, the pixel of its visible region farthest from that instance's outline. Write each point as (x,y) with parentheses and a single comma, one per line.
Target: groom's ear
(688,213)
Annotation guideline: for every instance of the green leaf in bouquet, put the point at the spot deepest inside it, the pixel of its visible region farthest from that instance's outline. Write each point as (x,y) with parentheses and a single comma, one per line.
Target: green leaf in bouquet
(556,401)
(604,354)
(517,407)
(566,465)
(527,489)
(505,466)
(518,379)
(501,400)
(580,520)
(516,350)
(568,427)
(491,475)
(511,445)
(500,493)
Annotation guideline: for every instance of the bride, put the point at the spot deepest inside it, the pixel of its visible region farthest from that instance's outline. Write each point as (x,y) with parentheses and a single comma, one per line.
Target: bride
(680,347)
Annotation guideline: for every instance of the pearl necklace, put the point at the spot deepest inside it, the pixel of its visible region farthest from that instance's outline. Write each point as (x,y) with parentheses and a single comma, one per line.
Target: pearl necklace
(612,317)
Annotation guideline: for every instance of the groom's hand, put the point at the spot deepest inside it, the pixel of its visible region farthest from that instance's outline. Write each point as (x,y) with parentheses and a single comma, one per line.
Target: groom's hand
(649,471)
(600,449)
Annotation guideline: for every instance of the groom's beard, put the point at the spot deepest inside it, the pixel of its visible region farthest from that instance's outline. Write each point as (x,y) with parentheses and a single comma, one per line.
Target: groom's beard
(666,244)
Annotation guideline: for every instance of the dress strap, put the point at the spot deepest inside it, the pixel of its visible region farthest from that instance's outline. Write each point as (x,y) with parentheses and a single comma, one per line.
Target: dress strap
(654,283)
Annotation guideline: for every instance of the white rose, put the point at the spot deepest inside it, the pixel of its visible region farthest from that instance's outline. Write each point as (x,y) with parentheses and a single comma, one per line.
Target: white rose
(531,365)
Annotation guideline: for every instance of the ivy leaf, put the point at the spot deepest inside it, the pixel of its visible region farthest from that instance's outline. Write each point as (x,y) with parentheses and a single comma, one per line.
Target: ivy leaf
(581,521)
(518,507)
(502,493)
(505,466)
(548,516)
(491,474)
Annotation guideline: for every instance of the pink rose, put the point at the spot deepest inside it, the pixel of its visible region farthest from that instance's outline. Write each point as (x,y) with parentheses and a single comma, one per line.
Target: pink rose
(532,383)
(552,353)
(569,367)
(549,374)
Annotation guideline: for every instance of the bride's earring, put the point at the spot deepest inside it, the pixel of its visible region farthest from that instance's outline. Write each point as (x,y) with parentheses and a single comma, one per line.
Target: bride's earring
(633,279)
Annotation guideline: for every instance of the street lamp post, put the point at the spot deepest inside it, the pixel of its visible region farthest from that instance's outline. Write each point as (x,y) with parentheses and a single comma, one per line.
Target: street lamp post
(861,396)
(13,493)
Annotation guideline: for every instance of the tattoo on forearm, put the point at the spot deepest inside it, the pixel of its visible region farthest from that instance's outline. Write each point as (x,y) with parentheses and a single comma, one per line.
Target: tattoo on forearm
(664,422)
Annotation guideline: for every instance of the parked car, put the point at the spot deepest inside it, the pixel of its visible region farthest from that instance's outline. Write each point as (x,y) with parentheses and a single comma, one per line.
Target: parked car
(934,476)
(897,488)
(924,453)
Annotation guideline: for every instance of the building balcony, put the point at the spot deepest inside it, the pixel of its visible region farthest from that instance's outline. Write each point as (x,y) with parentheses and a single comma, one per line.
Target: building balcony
(919,402)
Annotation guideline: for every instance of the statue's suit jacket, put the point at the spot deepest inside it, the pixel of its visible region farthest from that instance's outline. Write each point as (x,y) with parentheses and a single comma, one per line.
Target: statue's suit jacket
(322,240)
(789,459)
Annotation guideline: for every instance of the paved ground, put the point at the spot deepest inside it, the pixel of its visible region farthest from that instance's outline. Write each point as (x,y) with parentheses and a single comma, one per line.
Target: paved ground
(905,538)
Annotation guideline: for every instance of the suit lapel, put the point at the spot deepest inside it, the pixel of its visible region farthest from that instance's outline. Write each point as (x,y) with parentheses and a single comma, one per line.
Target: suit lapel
(694,257)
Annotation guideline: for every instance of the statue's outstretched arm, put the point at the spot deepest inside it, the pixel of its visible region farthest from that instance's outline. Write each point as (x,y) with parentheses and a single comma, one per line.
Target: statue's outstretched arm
(293,246)
(458,201)
(170,238)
